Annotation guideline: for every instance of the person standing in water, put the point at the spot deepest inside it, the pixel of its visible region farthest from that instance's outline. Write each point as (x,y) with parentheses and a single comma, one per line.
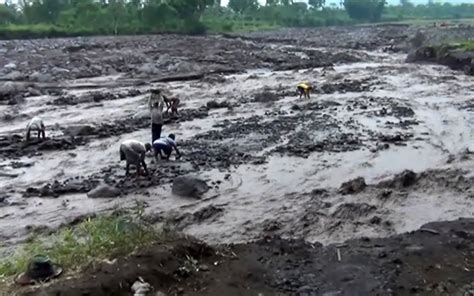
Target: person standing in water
(156,105)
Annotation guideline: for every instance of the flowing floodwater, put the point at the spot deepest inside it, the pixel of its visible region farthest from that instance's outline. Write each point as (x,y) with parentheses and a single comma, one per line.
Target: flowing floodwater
(257,195)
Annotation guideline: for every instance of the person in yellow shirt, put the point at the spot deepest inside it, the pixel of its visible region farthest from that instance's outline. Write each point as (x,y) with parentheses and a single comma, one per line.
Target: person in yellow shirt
(304,89)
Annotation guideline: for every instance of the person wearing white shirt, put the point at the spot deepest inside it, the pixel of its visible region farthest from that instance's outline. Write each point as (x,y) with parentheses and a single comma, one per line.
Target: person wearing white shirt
(165,145)
(35,124)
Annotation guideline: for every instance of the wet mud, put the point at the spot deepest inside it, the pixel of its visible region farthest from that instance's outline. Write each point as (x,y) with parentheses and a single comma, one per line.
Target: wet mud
(381,148)
(434,260)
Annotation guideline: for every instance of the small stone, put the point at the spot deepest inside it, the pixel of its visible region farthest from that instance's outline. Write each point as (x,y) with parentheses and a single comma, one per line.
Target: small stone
(375,220)
(203,267)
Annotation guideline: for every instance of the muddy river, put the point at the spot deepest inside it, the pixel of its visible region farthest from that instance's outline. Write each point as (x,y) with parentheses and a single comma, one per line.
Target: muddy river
(275,162)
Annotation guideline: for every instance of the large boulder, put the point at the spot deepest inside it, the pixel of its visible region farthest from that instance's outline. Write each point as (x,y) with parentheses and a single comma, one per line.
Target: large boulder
(189,186)
(353,186)
(103,191)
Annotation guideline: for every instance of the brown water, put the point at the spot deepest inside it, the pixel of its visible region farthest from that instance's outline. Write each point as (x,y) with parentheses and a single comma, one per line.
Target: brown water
(273,191)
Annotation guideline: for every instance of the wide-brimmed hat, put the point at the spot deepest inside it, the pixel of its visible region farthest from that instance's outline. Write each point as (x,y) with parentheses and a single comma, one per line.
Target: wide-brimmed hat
(40,269)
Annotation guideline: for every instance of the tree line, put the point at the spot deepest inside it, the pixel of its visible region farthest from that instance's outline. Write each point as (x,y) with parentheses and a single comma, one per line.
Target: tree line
(195,16)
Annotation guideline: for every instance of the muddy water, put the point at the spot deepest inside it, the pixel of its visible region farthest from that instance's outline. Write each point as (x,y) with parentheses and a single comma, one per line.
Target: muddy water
(255,196)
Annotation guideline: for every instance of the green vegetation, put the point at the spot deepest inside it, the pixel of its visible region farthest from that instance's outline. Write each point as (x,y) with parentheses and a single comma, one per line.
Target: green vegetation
(88,242)
(369,10)
(467,46)
(57,18)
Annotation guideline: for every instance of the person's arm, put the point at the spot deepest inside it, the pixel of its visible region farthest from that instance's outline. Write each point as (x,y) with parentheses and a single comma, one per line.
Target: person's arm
(177,151)
(28,132)
(150,105)
(161,104)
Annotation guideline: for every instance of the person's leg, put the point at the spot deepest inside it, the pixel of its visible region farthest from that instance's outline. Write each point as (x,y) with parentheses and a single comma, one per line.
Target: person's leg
(153,133)
(159,129)
(167,151)
(300,91)
(28,133)
(127,169)
(158,148)
(144,167)
(138,169)
(43,132)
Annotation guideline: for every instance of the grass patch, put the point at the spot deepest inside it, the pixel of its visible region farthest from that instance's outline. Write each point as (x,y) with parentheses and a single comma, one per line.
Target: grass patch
(90,241)
(467,46)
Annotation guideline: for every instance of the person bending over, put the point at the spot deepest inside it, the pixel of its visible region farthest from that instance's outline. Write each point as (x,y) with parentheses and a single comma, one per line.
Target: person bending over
(304,89)
(164,146)
(35,124)
(133,152)
(172,103)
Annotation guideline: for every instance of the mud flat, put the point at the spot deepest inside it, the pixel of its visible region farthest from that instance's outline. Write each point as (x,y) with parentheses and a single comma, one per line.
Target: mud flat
(382,148)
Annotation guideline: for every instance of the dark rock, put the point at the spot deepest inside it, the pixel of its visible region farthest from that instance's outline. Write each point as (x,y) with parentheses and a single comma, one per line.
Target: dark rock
(296,107)
(405,179)
(79,130)
(353,186)
(352,211)
(189,186)
(402,111)
(376,220)
(266,96)
(216,105)
(207,213)
(104,191)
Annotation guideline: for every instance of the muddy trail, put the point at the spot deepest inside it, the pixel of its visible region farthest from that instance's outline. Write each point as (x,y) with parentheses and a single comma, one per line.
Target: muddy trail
(381,148)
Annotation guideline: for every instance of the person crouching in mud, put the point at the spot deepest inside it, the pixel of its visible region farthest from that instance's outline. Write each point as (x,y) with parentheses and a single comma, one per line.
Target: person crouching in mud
(172,103)
(156,105)
(166,145)
(133,152)
(304,89)
(35,124)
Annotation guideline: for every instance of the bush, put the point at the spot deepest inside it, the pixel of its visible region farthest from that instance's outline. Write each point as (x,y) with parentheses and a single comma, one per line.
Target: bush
(194,27)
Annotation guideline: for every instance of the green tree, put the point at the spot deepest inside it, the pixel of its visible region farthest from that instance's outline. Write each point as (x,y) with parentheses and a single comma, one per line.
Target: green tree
(240,6)
(190,9)
(118,14)
(7,14)
(43,11)
(316,3)
(156,14)
(369,10)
